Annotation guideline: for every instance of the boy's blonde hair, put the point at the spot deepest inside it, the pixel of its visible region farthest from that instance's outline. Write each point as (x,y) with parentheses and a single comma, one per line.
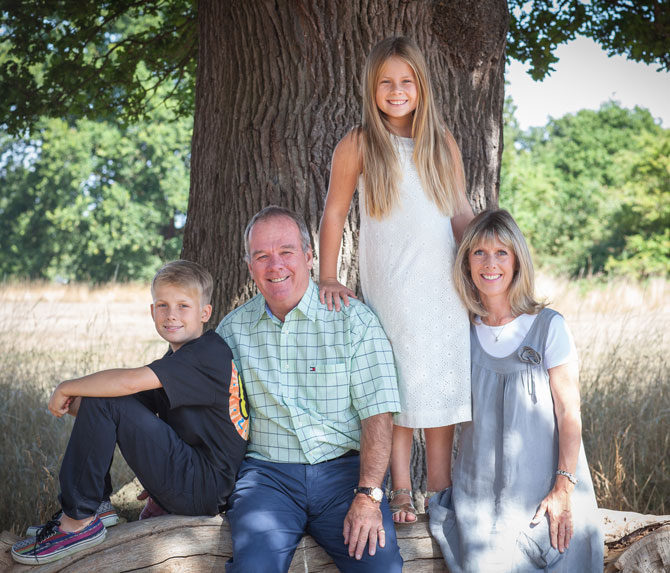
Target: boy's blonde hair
(436,154)
(185,274)
(490,225)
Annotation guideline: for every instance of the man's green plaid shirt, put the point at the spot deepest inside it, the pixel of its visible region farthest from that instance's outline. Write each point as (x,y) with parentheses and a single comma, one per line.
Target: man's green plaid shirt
(311,379)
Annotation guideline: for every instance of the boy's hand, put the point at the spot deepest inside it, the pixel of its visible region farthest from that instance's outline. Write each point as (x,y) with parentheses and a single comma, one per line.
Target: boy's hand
(59,403)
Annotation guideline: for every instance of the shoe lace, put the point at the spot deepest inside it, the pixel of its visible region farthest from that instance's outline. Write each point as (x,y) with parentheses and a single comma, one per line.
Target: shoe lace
(48,529)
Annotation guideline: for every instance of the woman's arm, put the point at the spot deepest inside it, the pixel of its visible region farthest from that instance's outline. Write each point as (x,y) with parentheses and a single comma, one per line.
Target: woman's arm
(564,383)
(344,172)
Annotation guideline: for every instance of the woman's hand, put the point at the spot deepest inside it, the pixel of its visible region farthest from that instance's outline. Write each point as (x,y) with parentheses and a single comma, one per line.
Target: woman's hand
(331,291)
(557,505)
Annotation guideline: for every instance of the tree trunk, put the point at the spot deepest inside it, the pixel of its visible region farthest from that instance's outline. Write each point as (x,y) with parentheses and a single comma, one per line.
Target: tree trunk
(279,83)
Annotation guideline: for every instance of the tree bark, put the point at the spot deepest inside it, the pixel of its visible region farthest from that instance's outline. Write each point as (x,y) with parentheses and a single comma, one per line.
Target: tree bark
(279,83)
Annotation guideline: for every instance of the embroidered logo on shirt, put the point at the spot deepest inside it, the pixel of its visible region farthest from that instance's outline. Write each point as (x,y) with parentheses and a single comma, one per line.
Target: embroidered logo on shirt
(237,406)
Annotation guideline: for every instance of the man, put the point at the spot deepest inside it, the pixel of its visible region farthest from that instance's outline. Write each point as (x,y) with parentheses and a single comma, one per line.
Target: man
(321,386)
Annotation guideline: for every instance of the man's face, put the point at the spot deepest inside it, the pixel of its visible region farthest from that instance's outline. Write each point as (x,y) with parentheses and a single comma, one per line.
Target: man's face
(278,264)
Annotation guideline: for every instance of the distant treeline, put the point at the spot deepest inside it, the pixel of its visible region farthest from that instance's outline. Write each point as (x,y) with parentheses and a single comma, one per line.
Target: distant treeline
(592,191)
(92,200)
(96,201)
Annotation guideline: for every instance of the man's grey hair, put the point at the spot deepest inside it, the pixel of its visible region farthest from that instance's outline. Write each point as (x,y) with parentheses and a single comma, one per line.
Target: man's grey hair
(273,212)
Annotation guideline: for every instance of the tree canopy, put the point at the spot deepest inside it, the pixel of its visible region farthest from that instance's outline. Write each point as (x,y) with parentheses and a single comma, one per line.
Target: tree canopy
(107,58)
(637,29)
(591,191)
(92,200)
(95,59)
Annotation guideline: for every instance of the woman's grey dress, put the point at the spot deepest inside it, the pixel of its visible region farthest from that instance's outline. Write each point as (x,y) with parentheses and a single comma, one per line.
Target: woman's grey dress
(506,464)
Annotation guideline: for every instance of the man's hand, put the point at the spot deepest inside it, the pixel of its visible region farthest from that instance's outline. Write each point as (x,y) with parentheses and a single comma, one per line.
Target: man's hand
(151,509)
(363,524)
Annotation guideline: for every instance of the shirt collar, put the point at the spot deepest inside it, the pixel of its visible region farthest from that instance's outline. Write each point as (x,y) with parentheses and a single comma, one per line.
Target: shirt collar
(307,305)
(309,301)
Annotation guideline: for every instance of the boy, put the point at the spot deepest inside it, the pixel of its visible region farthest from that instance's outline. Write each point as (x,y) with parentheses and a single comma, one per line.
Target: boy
(186,458)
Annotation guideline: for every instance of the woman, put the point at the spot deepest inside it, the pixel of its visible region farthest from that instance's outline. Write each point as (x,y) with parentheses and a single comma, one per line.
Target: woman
(522,497)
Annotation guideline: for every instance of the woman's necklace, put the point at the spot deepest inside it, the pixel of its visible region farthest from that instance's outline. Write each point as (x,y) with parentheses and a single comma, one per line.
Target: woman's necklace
(497,336)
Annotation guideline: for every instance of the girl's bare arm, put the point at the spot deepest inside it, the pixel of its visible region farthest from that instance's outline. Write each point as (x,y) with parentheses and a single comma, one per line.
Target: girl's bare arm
(344,172)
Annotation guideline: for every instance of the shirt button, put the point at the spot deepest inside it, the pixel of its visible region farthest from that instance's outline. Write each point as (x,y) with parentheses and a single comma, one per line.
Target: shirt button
(285,365)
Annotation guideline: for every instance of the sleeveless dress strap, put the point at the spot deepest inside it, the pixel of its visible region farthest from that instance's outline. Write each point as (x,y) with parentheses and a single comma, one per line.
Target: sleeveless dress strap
(538,333)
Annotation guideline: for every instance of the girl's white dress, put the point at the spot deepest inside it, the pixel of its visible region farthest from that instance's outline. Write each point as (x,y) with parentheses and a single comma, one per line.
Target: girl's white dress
(406,265)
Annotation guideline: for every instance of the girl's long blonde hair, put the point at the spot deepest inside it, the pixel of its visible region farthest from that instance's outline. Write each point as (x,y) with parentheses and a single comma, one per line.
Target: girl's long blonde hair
(436,155)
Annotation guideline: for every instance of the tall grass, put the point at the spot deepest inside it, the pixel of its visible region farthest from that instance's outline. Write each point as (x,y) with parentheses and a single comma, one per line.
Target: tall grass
(53,333)
(626,412)
(620,331)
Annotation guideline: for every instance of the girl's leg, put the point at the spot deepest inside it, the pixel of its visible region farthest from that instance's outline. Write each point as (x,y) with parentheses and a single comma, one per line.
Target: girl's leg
(439,444)
(401,451)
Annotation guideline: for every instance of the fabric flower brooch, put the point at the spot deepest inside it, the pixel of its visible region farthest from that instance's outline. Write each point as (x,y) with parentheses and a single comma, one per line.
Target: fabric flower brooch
(529,356)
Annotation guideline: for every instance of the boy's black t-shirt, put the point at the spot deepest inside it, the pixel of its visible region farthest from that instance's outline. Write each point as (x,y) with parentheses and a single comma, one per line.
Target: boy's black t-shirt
(202,399)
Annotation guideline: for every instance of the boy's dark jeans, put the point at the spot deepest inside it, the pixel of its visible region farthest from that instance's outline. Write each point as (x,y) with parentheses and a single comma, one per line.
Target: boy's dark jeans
(165,464)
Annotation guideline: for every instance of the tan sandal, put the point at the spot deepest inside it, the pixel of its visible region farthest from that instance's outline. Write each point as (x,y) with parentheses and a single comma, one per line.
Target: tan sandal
(407,507)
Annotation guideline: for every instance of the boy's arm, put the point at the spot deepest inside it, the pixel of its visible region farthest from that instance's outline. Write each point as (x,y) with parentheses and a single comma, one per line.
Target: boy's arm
(103,384)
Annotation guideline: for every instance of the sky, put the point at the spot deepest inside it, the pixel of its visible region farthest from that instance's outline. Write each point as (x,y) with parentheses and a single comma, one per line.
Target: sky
(584,78)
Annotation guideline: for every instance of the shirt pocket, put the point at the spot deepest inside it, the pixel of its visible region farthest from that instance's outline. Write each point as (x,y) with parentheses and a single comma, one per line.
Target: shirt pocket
(327,387)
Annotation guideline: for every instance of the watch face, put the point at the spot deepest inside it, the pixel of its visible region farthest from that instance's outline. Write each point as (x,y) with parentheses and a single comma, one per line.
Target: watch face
(377,494)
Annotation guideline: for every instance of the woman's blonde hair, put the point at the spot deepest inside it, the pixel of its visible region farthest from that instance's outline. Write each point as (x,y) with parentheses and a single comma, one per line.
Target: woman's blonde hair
(436,154)
(489,226)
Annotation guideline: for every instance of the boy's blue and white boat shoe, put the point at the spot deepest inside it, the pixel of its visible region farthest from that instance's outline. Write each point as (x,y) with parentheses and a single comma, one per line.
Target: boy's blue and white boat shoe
(106,512)
(51,543)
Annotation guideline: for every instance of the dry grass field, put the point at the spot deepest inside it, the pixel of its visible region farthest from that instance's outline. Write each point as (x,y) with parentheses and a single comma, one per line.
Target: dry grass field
(50,333)
(621,334)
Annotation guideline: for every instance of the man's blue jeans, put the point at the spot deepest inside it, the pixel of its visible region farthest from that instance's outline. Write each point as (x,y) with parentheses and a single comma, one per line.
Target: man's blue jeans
(274,504)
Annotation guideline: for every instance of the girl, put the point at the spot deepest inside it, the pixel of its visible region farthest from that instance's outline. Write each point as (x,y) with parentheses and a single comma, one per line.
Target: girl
(410,174)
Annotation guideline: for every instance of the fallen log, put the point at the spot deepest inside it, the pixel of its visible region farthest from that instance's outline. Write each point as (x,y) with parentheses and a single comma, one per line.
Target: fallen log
(636,542)
(197,544)
(177,543)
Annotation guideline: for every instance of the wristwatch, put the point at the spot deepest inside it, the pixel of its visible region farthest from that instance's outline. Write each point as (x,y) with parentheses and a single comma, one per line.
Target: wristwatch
(374,493)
